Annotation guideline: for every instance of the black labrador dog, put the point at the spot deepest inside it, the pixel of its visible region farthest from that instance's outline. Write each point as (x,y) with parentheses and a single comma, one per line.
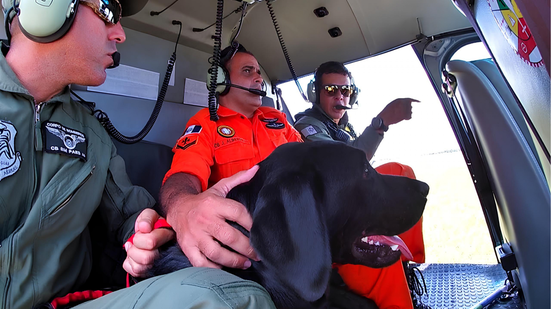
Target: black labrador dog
(313,204)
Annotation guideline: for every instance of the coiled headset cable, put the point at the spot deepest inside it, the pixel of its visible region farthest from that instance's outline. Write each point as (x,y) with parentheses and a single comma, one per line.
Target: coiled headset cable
(216,59)
(284,48)
(7,22)
(108,125)
(215,63)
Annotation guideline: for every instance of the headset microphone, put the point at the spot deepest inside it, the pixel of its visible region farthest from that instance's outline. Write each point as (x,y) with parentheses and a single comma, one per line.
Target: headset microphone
(251,90)
(116,60)
(342,107)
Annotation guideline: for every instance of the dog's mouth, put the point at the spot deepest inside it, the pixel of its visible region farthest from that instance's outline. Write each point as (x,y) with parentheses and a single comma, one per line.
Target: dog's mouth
(380,251)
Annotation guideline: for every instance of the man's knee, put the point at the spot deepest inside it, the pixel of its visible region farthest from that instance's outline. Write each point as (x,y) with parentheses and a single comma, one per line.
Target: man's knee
(194,287)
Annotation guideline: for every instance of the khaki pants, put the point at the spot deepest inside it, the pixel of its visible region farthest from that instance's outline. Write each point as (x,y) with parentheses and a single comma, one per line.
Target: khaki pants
(198,288)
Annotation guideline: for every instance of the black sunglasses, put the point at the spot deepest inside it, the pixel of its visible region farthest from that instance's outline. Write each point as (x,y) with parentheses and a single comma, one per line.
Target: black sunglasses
(346,90)
(109,11)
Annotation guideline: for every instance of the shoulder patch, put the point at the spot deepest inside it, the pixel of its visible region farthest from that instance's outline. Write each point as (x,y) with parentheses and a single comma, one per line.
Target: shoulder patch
(185,142)
(193,129)
(10,159)
(310,130)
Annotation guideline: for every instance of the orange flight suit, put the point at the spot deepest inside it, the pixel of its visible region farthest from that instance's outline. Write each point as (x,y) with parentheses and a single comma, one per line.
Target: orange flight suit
(215,150)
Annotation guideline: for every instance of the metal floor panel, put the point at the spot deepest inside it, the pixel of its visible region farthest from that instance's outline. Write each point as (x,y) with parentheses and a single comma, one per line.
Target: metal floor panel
(462,286)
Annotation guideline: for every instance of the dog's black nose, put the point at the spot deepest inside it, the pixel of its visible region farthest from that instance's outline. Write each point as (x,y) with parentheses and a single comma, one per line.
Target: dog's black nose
(423,188)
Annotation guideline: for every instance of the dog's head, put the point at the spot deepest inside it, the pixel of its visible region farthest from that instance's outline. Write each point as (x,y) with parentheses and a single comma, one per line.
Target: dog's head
(321,202)
(373,208)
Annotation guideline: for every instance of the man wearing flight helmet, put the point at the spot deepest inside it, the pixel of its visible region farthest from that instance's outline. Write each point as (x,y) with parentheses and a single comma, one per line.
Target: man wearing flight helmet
(59,171)
(333,92)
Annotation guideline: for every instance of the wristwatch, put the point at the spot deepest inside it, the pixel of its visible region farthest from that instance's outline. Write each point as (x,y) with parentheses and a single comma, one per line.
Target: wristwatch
(378,124)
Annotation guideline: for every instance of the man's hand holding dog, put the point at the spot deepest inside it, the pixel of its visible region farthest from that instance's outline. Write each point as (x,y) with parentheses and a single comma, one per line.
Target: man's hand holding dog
(199,220)
(142,251)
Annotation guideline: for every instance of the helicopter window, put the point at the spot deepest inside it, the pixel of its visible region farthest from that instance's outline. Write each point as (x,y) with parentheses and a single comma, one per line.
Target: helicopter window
(470,52)
(454,227)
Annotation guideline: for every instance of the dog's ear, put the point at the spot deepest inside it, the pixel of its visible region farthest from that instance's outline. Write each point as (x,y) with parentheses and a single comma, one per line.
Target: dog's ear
(290,236)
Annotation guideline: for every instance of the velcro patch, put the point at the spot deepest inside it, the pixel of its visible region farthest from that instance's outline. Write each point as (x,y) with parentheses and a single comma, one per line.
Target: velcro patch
(185,142)
(309,130)
(62,140)
(10,158)
(269,120)
(275,125)
(193,129)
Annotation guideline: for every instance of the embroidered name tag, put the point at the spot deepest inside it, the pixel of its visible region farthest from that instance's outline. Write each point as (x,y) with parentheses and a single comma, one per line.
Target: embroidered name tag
(62,140)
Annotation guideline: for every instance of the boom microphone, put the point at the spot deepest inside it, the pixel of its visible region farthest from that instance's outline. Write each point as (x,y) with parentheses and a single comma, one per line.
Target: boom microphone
(342,107)
(116,59)
(251,90)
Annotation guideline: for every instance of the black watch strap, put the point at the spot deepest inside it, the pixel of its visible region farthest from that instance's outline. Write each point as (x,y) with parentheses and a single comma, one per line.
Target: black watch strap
(378,124)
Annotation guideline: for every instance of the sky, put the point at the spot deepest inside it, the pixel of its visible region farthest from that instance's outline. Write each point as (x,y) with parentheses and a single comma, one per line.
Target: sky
(381,79)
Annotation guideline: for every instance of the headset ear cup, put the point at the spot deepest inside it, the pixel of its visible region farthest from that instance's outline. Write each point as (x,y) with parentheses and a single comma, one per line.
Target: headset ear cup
(311,91)
(45,21)
(354,96)
(222,81)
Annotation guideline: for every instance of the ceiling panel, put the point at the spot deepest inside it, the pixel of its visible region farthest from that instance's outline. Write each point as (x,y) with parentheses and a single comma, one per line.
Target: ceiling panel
(368,27)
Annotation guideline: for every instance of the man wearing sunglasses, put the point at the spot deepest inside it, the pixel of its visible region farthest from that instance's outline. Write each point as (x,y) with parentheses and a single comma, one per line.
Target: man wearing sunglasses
(332,92)
(64,189)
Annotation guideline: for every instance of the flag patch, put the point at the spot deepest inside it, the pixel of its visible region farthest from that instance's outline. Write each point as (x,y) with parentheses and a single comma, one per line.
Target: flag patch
(309,130)
(192,129)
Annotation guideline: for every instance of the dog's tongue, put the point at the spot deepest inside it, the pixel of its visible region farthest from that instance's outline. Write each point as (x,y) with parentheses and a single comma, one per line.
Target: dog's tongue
(394,240)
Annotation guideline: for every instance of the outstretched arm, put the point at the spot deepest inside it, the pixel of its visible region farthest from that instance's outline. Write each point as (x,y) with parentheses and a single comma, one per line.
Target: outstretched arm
(396,111)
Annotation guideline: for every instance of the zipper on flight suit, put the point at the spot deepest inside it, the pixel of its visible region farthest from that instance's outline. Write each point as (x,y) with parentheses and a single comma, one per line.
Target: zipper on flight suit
(37,145)
(8,262)
(68,199)
(5,292)
(37,109)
